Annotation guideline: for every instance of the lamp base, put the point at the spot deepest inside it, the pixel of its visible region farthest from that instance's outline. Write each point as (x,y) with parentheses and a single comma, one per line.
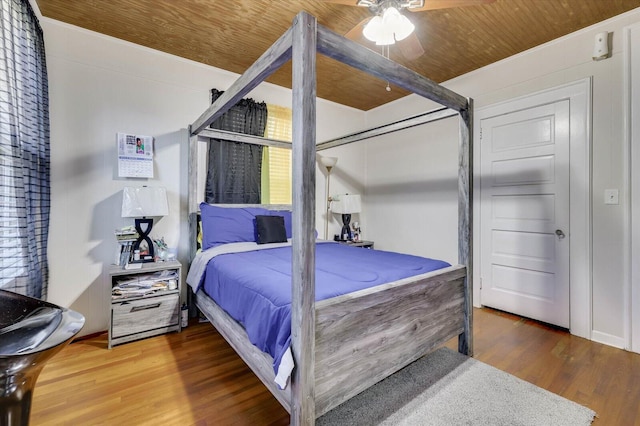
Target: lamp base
(346,229)
(143,236)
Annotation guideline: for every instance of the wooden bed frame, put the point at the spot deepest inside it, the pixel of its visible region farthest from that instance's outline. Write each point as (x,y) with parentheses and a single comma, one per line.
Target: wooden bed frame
(341,346)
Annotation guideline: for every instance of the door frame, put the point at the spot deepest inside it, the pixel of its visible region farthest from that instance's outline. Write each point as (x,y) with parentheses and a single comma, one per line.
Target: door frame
(631,132)
(578,94)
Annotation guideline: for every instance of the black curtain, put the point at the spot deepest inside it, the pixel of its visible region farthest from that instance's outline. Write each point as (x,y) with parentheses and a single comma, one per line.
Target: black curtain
(234,168)
(24,152)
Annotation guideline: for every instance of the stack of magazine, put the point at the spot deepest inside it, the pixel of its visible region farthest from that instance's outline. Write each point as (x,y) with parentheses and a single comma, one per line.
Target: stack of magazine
(144,284)
(126,237)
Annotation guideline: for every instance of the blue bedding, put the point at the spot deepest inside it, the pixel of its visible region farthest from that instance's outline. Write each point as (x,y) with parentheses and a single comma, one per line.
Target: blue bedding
(254,287)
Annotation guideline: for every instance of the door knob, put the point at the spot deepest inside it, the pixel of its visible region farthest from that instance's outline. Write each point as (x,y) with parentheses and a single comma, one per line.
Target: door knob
(560,234)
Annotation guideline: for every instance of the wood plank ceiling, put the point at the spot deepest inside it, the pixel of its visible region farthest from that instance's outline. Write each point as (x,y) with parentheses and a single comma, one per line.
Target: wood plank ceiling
(232,34)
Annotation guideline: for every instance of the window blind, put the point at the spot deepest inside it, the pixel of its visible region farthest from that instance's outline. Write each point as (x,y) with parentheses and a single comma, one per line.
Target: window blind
(24,152)
(278,181)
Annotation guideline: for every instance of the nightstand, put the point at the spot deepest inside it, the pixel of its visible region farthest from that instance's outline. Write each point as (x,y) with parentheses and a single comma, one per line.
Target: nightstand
(363,244)
(140,311)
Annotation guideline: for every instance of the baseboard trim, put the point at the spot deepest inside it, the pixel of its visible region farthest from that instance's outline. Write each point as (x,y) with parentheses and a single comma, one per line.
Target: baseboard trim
(89,336)
(608,339)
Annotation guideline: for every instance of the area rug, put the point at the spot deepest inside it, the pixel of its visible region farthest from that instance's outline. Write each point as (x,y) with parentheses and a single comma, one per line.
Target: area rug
(447,388)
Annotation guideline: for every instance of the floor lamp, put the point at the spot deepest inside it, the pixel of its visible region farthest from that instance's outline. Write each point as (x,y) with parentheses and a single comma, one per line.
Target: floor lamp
(328,163)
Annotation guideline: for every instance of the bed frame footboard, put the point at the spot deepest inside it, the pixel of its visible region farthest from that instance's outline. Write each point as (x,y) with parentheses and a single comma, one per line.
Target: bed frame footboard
(365,336)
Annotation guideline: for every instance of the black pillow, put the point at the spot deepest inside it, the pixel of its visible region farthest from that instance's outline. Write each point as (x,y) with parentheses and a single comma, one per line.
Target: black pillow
(270,229)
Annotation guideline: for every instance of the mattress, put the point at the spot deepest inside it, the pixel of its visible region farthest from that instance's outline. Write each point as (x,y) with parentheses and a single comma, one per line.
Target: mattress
(252,283)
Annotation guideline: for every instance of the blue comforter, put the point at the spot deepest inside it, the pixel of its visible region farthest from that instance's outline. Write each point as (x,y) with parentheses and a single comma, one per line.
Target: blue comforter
(254,287)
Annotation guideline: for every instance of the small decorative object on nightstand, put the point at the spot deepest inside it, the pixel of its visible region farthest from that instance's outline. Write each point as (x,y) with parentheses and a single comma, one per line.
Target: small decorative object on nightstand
(363,244)
(144,302)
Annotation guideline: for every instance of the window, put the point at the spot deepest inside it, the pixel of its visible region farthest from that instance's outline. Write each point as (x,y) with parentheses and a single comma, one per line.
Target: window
(24,152)
(276,162)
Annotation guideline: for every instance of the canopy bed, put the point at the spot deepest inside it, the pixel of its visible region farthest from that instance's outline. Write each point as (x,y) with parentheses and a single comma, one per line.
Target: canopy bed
(345,344)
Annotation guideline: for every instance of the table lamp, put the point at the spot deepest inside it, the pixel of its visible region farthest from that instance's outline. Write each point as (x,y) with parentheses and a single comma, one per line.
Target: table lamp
(346,204)
(140,203)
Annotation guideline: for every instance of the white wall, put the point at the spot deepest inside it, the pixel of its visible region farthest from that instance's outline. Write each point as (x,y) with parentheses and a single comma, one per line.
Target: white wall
(99,86)
(411,190)
(561,61)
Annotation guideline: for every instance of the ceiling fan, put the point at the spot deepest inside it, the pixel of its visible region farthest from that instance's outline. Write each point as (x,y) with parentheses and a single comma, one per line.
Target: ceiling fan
(388,25)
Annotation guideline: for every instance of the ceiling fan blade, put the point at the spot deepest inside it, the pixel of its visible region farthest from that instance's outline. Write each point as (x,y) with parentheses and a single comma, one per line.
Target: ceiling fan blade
(445,4)
(345,2)
(355,33)
(410,47)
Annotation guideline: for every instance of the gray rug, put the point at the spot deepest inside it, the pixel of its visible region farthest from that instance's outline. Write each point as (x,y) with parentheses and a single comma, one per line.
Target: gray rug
(447,388)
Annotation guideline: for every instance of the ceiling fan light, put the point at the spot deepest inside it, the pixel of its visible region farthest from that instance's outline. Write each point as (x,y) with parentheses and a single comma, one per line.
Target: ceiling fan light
(386,29)
(404,28)
(374,28)
(385,38)
(396,23)
(390,16)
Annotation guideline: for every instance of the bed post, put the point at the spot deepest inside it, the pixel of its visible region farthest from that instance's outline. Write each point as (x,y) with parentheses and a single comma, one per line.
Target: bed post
(304,190)
(192,197)
(465,221)
(192,208)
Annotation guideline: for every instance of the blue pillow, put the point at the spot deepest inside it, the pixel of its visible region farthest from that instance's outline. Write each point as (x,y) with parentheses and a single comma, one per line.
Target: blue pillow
(221,225)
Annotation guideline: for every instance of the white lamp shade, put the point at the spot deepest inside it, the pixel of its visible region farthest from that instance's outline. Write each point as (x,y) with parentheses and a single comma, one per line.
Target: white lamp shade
(404,28)
(328,161)
(373,29)
(144,201)
(385,38)
(346,204)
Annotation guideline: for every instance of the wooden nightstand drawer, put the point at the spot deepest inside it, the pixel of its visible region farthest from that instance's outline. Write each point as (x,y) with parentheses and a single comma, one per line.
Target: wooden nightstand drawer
(135,316)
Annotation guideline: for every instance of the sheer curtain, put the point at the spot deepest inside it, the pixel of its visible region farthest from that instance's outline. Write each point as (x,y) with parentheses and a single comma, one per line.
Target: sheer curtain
(24,152)
(234,168)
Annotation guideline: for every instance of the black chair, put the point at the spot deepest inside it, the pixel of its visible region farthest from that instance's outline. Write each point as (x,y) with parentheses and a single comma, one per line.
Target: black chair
(31,332)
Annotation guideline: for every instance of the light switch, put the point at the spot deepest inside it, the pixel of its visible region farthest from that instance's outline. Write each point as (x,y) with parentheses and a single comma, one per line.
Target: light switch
(611,196)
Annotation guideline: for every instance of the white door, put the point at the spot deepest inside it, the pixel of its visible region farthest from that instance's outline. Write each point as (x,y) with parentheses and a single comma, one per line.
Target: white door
(524,212)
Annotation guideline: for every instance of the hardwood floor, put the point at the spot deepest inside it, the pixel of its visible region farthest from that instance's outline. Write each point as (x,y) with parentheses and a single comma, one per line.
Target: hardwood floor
(194,377)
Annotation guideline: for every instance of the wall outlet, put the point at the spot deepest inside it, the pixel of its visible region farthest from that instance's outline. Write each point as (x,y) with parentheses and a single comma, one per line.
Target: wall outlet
(611,196)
